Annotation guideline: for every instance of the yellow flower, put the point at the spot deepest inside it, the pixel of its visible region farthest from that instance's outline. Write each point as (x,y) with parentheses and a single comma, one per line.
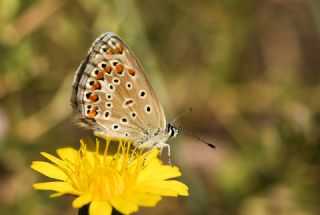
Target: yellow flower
(123,181)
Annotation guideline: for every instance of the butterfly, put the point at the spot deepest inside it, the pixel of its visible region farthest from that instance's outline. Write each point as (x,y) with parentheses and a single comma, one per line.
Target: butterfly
(112,96)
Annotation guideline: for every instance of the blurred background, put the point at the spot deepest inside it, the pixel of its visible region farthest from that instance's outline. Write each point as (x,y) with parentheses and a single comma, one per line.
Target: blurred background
(249,69)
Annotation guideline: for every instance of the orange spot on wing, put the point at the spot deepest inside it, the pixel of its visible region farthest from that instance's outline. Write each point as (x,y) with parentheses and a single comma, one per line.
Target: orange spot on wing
(119,68)
(93,97)
(131,72)
(96,86)
(100,76)
(93,112)
(109,52)
(108,69)
(119,49)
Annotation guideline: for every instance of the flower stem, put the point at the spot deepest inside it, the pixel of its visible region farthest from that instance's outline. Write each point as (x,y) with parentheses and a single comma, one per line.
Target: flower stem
(85,211)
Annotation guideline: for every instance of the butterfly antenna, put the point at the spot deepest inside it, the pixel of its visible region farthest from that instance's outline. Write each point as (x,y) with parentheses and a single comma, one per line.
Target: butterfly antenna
(195,136)
(179,116)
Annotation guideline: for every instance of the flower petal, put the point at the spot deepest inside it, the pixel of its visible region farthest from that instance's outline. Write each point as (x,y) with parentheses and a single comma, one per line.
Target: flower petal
(58,186)
(52,158)
(150,158)
(67,154)
(123,205)
(100,207)
(49,170)
(164,188)
(160,173)
(144,199)
(55,195)
(82,200)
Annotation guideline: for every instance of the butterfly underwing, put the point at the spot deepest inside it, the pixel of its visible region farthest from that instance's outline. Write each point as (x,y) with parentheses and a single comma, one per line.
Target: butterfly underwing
(112,96)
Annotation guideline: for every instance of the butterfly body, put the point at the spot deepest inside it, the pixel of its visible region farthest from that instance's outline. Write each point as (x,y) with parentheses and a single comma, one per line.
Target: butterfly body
(112,96)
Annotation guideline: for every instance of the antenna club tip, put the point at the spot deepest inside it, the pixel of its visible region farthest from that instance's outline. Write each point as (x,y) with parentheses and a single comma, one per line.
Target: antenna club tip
(212,146)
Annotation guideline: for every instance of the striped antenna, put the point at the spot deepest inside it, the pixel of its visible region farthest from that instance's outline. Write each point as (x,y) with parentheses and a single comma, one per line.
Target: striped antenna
(195,136)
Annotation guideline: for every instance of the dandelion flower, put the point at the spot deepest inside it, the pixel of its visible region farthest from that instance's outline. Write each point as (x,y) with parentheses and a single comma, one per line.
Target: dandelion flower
(123,181)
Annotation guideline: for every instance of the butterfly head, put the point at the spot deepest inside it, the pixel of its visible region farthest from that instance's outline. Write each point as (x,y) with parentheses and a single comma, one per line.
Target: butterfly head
(172,131)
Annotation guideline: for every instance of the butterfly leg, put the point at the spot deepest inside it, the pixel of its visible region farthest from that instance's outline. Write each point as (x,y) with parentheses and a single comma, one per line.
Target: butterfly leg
(161,146)
(133,153)
(165,145)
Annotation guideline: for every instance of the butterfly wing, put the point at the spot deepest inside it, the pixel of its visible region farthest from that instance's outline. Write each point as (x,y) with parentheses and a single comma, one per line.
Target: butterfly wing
(111,93)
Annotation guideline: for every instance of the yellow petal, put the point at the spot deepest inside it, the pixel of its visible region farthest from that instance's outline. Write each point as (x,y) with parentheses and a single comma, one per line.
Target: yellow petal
(67,154)
(100,207)
(52,158)
(82,200)
(55,195)
(160,173)
(164,188)
(144,199)
(150,158)
(58,186)
(49,170)
(123,205)
(91,158)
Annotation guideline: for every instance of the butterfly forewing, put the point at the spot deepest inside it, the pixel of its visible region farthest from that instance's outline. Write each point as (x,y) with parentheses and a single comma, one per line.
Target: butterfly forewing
(111,93)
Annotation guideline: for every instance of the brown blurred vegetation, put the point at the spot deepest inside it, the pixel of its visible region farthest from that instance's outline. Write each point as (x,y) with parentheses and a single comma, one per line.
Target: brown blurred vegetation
(249,69)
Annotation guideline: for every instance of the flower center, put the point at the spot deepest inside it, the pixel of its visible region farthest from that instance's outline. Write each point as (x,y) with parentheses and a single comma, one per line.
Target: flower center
(106,176)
